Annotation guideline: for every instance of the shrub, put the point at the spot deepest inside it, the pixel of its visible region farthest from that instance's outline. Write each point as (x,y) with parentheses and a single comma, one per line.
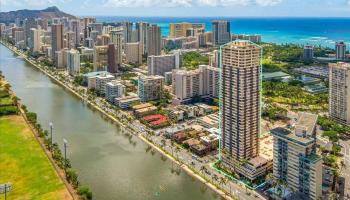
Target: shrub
(85,193)
(8,110)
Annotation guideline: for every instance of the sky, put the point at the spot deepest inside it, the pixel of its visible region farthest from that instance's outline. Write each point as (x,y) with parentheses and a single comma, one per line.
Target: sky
(179,8)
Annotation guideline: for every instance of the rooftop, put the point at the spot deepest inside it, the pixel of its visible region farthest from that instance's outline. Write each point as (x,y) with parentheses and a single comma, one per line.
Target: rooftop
(272,75)
(307,121)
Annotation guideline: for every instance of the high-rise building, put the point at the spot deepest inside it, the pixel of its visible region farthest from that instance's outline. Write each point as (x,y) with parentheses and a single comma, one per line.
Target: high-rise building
(43,23)
(339,92)
(221,32)
(158,65)
(308,52)
(240,109)
(35,40)
(187,84)
(75,28)
(96,27)
(141,28)
(112,57)
(150,87)
(100,58)
(69,41)
(88,20)
(56,39)
(202,82)
(27,25)
(73,62)
(104,39)
(295,161)
(153,40)
(116,36)
(127,31)
(211,86)
(340,48)
(214,59)
(133,52)
(180,29)
(18,36)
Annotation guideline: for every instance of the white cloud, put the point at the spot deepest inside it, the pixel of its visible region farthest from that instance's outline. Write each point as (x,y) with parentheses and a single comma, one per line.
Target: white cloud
(268,2)
(148,3)
(33,3)
(188,3)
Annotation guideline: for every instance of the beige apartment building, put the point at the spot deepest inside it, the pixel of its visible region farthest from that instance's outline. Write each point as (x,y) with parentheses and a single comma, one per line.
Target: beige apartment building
(150,87)
(240,109)
(339,92)
(100,58)
(202,82)
(133,52)
(187,84)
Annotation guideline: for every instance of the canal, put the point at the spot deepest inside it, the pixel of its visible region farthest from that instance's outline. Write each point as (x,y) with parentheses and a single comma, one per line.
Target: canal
(116,166)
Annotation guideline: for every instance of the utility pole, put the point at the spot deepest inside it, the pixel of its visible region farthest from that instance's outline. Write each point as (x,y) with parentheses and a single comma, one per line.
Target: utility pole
(51,127)
(65,143)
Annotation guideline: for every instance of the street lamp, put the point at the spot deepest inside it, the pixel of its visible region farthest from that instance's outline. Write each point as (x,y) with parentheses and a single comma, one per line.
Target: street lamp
(51,127)
(65,144)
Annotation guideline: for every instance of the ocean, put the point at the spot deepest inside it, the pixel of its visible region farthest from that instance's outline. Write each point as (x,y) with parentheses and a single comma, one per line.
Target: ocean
(313,31)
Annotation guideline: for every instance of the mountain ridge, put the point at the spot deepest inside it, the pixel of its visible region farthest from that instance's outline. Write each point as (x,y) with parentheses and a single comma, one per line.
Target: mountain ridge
(49,12)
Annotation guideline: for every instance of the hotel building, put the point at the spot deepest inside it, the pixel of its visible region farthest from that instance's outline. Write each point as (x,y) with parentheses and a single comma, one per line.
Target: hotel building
(158,65)
(221,32)
(340,49)
(339,91)
(180,29)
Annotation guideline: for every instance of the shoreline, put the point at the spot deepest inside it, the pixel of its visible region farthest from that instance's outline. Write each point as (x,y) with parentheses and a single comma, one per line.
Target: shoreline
(184,167)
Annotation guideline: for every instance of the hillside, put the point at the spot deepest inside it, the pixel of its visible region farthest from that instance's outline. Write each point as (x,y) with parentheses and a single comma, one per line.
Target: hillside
(50,12)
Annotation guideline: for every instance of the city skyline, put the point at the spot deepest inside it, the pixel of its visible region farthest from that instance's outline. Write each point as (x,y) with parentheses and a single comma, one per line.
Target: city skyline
(191,8)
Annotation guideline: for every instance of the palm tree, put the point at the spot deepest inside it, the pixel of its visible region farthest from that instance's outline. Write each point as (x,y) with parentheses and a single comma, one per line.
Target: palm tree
(332,195)
(163,142)
(222,180)
(285,186)
(335,178)
(214,177)
(203,169)
(269,178)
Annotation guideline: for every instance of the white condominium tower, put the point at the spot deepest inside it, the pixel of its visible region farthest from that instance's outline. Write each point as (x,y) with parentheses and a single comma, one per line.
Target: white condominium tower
(339,92)
(295,161)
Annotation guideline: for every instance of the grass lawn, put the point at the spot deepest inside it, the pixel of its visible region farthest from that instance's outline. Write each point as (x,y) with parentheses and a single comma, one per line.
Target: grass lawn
(25,165)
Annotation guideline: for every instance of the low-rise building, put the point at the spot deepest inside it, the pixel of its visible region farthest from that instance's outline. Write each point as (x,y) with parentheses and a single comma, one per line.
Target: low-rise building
(200,149)
(125,102)
(145,111)
(114,89)
(210,121)
(101,82)
(211,140)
